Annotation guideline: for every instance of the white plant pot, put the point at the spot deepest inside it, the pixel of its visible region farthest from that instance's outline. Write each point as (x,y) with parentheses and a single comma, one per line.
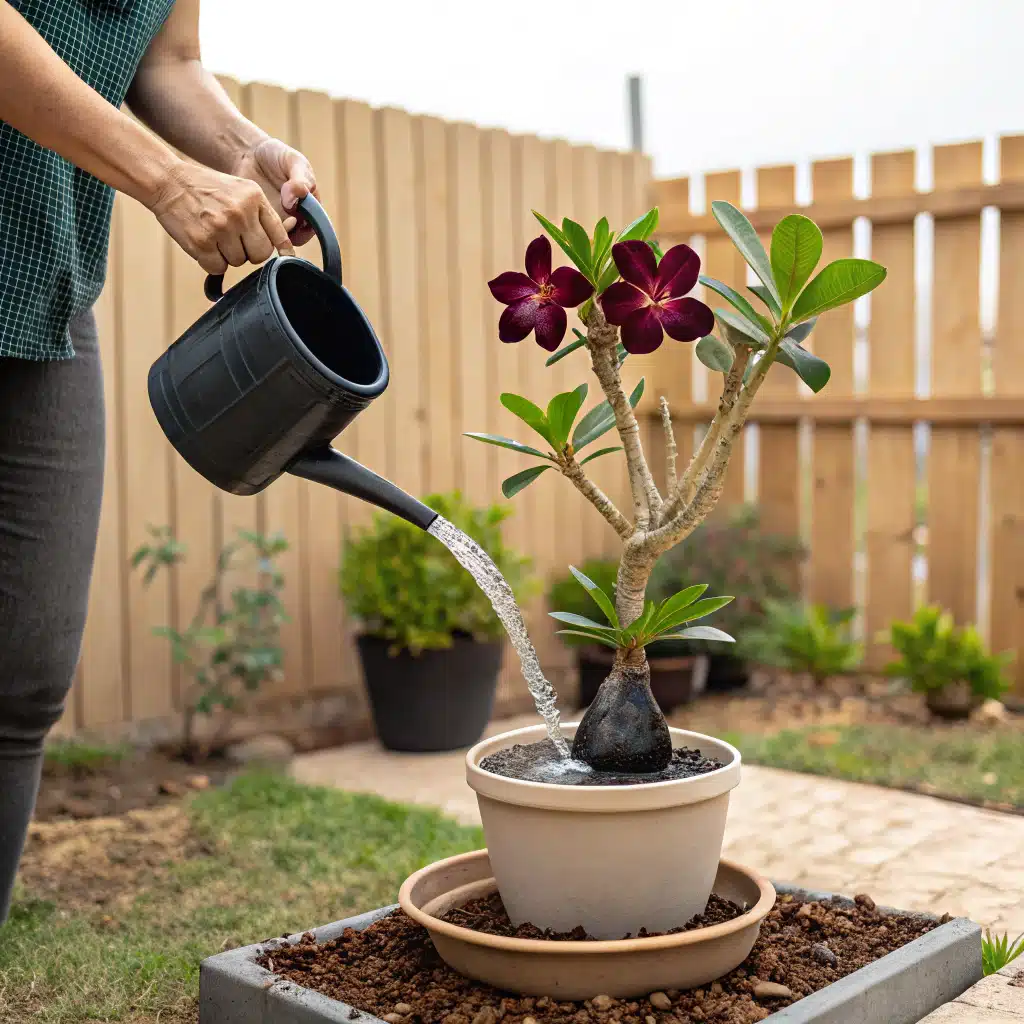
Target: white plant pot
(613,859)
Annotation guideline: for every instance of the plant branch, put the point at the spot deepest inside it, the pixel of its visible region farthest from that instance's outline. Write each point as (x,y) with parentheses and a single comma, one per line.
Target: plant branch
(573,471)
(602,340)
(671,450)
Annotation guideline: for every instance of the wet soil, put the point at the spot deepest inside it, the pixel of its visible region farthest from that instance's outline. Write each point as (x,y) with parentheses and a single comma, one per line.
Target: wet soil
(488,915)
(391,970)
(541,762)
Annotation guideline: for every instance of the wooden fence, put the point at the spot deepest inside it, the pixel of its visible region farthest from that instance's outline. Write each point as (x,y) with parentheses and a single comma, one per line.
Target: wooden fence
(427,212)
(905,474)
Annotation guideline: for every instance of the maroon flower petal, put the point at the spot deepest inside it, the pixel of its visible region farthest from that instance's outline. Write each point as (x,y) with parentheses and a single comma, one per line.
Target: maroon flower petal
(570,288)
(685,319)
(641,333)
(512,286)
(518,320)
(636,264)
(619,300)
(538,259)
(551,324)
(678,271)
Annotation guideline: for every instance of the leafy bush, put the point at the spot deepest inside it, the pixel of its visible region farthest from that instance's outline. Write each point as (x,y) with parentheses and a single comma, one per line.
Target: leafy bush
(998,952)
(813,639)
(232,645)
(406,587)
(933,653)
(659,621)
(734,555)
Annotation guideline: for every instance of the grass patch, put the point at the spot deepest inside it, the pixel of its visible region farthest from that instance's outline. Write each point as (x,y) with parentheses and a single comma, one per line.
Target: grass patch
(279,857)
(78,756)
(980,767)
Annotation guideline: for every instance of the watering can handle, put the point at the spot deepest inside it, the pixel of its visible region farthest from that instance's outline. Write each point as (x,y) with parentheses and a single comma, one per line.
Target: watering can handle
(321,224)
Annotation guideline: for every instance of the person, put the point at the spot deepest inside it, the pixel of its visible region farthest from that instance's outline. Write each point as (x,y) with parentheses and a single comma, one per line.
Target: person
(66,68)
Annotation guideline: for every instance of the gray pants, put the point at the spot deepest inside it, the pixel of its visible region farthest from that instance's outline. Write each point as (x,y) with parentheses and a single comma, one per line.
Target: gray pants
(51,482)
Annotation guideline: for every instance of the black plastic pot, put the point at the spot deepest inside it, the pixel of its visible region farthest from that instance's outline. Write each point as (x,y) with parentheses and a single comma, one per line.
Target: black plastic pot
(438,700)
(675,679)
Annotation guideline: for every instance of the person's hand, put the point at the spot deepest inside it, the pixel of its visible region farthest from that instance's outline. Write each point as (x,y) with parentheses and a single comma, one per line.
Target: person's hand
(219,219)
(285,176)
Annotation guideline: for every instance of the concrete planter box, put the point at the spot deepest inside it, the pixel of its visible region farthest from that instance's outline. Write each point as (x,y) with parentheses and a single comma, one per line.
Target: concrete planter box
(901,988)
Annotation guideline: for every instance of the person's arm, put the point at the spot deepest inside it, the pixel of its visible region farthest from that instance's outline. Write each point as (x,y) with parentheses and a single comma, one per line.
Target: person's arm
(184,103)
(215,217)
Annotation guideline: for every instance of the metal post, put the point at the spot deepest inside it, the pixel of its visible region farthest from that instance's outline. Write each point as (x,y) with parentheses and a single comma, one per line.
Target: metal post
(636,113)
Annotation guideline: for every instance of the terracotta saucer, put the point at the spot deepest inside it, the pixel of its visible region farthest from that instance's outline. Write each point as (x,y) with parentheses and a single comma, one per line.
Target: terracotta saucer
(624,969)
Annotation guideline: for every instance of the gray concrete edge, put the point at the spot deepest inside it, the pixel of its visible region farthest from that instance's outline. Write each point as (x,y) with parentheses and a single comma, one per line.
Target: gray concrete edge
(900,988)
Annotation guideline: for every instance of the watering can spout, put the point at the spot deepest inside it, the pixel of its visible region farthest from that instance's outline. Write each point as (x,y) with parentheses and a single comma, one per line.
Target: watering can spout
(326,465)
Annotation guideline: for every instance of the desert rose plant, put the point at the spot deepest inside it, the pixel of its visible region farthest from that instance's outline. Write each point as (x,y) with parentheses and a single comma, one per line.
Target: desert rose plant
(630,296)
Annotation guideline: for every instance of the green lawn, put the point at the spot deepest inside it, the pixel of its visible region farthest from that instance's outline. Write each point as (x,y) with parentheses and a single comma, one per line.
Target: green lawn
(967,765)
(279,857)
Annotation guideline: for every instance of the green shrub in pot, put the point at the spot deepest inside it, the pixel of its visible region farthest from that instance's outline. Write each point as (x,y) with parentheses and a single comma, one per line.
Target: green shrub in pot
(429,641)
(736,555)
(950,665)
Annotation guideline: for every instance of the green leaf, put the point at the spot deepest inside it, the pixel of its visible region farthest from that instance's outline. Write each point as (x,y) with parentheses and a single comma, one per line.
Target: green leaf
(840,282)
(602,243)
(699,633)
(607,641)
(600,420)
(767,298)
(562,412)
(737,300)
(659,253)
(578,342)
(677,602)
(814,372)
(603,601)
(530,414)
(697,610)
(643,227)
(715,354)
(578,238)
(744,237)
(796,249)
(608,276)
(753,333)
(565,245)
(512,485)
(638,627)
(506,442)
(597,455)
(800,333)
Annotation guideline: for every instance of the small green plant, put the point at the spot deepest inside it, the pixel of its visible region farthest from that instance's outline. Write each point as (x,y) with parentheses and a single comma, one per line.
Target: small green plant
(405,587)
(811,639)
(232,644)
(997,953)
(81,757)
(567,595)
(660,620)
(733,554)
(934,653)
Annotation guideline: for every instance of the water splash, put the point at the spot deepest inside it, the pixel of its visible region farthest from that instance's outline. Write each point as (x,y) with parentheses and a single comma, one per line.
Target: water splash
(479,565)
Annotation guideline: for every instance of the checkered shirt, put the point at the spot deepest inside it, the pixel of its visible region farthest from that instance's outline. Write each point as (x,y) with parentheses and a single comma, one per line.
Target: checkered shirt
(55,218)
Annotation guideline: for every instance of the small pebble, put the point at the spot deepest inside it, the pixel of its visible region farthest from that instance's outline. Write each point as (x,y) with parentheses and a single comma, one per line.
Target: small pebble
(529,1020)
(804,911)
(673,993)
(485,1015)
(824,955)
(770,990)
(543,1003)
(650,1019)
(660,1001)
(392,1018)
(403,1008)
(865,901)
(601,1002)
(716,988)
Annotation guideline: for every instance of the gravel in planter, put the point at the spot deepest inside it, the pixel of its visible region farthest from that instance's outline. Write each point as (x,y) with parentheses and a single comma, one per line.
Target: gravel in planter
(391,970)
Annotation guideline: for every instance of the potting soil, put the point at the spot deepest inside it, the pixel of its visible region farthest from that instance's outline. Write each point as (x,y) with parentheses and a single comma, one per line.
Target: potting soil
(541,762)
(391,970)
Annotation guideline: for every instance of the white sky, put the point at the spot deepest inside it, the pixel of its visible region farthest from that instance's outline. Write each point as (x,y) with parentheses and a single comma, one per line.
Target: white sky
(728,82)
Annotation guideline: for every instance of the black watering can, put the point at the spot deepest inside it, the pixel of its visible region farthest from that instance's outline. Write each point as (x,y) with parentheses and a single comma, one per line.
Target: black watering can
(264,380)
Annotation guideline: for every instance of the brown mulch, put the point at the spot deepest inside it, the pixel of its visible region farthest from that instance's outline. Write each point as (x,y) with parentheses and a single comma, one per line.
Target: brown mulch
(393,971)
(115,786)
(488,914)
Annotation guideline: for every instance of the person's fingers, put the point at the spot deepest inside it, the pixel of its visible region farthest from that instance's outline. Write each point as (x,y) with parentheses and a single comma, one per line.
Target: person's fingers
(275,229)
(299,183)
(258,246)
(211,261)
(232,249)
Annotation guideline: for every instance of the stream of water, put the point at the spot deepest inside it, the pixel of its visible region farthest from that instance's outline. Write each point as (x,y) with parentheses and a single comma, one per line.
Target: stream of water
(478,564)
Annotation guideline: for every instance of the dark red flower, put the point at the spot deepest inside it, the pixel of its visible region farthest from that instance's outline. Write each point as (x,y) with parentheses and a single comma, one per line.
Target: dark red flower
(535,300)
(650,300)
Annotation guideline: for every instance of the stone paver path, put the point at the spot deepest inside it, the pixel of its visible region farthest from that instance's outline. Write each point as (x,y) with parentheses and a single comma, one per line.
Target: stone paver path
(909,851)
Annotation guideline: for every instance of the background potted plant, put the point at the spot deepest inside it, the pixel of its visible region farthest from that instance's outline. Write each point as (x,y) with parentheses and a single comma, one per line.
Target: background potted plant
(677,670)
(949,665)
(430,644)
(735,555)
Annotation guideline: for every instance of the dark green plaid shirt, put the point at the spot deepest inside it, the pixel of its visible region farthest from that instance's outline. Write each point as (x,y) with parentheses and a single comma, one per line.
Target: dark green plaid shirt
(55,218)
